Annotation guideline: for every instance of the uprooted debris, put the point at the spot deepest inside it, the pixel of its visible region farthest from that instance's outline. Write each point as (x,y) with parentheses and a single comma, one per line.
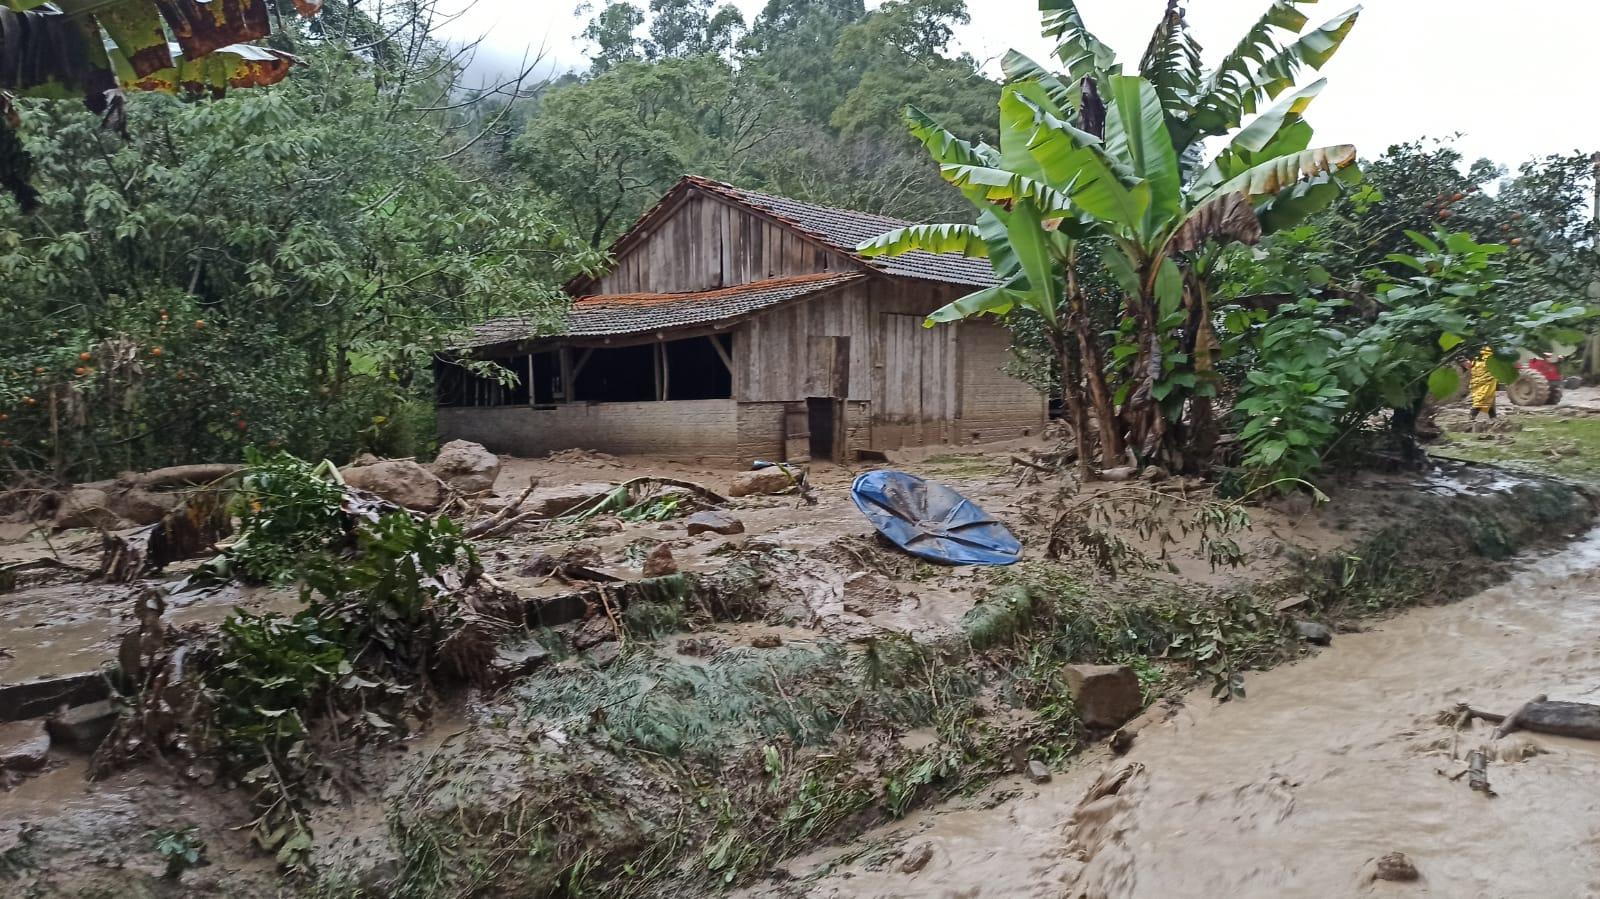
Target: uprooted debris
(639,499)
(1541,715)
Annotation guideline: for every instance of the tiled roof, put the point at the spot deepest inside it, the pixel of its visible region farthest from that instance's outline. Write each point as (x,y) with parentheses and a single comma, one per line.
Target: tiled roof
(846,230)
(618,315)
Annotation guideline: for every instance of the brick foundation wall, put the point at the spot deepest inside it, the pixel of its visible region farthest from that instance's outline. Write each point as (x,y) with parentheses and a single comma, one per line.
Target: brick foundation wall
(994,405)
(706,429)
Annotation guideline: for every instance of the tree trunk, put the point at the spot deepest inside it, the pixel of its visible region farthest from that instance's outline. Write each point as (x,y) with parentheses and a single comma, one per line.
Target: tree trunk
(1094,373)
(1072,395)
(1198,341)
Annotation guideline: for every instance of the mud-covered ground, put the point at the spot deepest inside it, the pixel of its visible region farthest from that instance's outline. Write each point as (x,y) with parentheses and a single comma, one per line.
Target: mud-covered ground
(797,684)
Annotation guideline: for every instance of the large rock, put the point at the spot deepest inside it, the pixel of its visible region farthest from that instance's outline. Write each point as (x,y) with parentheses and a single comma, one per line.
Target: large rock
(1106,695)
(84,727)
(769,480)
(713,522)
(86,507)
(24,746)
(660,562)
(400,481)
(467,466)
(558,500)
(142,506)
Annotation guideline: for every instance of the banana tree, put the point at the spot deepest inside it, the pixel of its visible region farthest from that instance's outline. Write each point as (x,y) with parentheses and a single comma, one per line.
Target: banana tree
(1074,165)
(96,49)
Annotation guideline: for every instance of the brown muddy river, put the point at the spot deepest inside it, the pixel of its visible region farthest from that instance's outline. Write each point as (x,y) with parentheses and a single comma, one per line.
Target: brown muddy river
(1329,764)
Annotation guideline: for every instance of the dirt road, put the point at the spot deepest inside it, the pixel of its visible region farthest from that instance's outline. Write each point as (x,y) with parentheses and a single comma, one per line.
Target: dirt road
(1329,764)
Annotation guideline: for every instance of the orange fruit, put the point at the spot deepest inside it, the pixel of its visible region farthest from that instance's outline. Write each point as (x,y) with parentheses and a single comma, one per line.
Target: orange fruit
(29,401)
(80,371)
(1516,241)
(199,323)
(85,357)
(155,351)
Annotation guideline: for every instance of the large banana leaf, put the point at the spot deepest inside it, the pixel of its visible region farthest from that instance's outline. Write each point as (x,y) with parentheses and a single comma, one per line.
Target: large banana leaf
(1076,46)
(1275,175)
(952,238)
(236,66)
(992,300)
(946,148)
(997,185)
(1171,62)
(91,48)
(135,28)
(1137,136)
(1229,217)
(1076,163)
(1017,67)
(1258,134)
(1314,50)
(1257,68)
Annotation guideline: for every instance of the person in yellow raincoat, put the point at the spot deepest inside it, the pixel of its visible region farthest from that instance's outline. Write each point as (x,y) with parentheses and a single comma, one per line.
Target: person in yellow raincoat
(1482,385)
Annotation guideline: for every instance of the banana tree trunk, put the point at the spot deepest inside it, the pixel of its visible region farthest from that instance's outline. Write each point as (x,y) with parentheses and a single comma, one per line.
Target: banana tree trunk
(1199,342)
(1072,394)
(1094,374)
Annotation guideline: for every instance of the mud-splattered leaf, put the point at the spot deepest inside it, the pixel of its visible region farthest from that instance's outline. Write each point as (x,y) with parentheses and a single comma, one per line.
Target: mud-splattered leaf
(206,26)
(135,27)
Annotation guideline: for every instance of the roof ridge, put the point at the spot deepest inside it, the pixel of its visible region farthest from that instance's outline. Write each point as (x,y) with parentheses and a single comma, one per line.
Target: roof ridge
(713,293)
(714,183)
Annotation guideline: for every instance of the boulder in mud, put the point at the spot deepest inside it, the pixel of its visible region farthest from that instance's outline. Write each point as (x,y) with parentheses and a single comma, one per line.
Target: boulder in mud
(1313,632)
(1038,772)
(24,746)
(1107,696)
(917,858)
(660,562)
(713,522)
(141,506)
(400,481)
(83,727)
(554,502)
(86,507)
(767,481)
(467,466)
(1395,868)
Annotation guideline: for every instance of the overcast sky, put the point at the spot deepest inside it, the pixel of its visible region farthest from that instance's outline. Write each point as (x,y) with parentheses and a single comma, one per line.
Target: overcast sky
(1516,79)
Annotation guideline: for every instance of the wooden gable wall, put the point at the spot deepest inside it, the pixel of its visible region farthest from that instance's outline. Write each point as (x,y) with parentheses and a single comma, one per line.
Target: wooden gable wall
(704,243)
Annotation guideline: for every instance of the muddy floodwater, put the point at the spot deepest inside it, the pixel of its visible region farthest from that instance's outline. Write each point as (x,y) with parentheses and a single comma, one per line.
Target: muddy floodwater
(1330,763)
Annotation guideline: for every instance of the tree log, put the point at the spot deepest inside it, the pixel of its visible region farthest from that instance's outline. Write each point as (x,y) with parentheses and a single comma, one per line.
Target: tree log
(1478,772)
(1510,723)
(1563,719)
(184,475)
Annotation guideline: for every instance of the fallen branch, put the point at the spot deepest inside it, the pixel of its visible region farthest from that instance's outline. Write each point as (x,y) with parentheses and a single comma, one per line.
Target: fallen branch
(184,475)
(489,527)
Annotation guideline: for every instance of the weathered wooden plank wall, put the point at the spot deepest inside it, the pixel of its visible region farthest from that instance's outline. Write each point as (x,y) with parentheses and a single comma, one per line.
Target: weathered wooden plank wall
(706,243)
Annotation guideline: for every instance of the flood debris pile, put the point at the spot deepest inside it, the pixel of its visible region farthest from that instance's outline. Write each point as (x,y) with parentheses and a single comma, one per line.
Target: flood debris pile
(394,604)
(654,695)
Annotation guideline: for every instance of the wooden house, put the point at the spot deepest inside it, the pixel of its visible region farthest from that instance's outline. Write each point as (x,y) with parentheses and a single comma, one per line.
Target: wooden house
(736,325)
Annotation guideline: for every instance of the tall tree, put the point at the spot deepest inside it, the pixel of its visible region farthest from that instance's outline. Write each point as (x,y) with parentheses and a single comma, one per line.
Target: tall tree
(1097,157)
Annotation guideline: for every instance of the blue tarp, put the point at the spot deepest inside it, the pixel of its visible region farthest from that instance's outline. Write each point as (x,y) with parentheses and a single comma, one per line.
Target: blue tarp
(932,521)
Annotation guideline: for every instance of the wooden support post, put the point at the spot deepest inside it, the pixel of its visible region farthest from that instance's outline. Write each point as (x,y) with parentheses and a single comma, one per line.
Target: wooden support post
(529,382)
(664,380)
(564,354)
(582,361)
(721,353)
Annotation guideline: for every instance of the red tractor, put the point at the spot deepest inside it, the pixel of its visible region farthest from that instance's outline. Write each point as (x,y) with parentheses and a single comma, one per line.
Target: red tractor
(1538,383)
